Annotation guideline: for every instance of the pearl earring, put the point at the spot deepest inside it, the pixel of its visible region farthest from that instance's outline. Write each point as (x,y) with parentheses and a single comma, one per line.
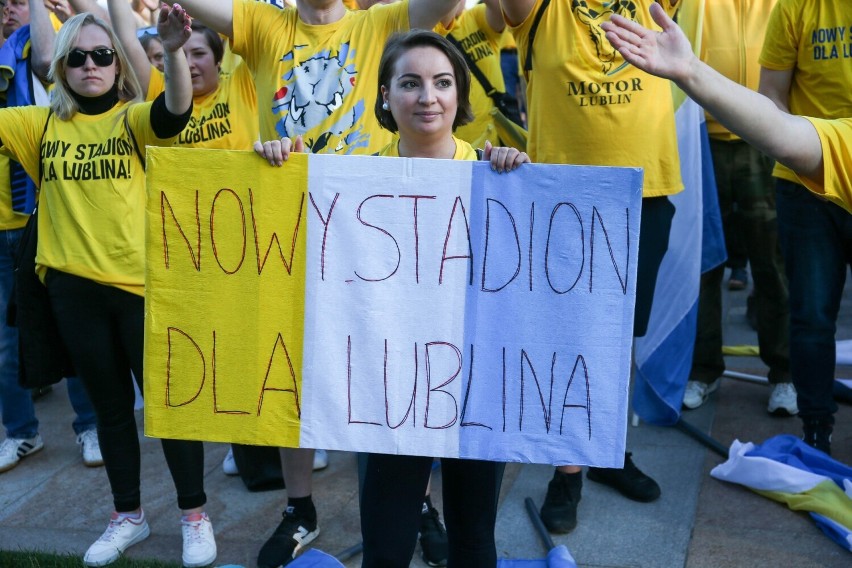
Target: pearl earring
(385,106)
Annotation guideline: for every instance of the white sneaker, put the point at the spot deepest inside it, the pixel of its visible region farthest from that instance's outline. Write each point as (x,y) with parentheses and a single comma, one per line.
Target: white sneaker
(199,545)
(229,465)
(91,448)
(320,459)
(13,449)
(697,392)
(122,533)
(782,400)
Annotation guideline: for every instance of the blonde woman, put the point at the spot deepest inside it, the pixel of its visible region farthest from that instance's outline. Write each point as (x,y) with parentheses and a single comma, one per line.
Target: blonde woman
(88,151)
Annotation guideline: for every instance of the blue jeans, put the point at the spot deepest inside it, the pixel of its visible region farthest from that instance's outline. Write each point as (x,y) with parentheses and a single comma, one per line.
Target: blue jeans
(816,240)
(16,404)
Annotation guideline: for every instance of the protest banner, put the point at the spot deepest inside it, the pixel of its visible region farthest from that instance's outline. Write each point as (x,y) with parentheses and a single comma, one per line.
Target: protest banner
(428,307)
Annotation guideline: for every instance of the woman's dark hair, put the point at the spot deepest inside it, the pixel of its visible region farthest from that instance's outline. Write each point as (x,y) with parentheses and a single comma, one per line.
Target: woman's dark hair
(146,39)
(213,40)
(399,44)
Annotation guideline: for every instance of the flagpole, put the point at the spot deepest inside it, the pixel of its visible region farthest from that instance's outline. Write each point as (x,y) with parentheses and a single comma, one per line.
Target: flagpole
(700,436)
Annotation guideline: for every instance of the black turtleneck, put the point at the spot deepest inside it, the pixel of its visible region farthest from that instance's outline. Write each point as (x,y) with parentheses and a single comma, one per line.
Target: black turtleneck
(163,123)
(96,105)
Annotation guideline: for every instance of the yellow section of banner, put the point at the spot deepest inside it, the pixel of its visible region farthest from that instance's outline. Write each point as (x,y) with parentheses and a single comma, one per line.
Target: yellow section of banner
(225,296)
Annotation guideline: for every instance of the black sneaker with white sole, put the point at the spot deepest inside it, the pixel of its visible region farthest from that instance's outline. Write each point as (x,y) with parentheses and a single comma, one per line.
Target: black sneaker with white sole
(293,533)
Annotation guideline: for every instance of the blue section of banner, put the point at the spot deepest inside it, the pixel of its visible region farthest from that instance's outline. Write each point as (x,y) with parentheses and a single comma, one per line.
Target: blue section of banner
(565,258)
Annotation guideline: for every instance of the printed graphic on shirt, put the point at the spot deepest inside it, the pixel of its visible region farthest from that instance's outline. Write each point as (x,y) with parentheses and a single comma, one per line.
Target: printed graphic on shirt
(214,125)
(832,43)
(316,91)
(592,19)
(105,160)
(611,90)
(277,3)
(476,45)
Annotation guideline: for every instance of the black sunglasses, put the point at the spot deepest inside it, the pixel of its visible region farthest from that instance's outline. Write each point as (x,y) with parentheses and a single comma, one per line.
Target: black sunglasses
(102,57)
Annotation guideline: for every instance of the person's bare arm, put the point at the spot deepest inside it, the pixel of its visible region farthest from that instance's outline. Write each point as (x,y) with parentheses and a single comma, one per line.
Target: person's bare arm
(426,14)
(790,139)
(776,86)
(124,24)
(494,15)
(216,14)
(42,36)
(516,11)
(90,6)
(173,28)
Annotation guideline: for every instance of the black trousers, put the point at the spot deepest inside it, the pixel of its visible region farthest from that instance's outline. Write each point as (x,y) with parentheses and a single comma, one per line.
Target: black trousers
(391,504)
(103,330)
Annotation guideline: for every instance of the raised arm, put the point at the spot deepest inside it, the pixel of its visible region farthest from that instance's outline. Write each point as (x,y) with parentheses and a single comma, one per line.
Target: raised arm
(42,34)
(90,6)
(124,24)
(516,11)
(173,26)
(494,15)
(216,14)
(790,139)
(426,14)
(62,9)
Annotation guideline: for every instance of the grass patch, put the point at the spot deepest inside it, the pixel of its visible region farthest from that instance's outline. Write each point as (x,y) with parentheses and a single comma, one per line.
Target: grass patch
(24,559)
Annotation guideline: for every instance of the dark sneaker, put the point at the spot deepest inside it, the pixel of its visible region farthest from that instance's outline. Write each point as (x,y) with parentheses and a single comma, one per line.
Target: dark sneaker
(629,481)
(818,433)
(559,512)
(433,538)
(288,540)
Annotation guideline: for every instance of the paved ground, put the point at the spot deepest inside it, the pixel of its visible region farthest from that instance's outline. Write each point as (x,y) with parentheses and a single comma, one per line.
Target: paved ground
(52,502)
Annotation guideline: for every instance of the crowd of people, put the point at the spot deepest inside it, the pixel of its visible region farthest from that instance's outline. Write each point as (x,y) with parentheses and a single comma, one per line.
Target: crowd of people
(517,79)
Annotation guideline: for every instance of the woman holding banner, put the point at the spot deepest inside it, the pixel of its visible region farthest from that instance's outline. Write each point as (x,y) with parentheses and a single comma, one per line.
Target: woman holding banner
(424,89)
(88,150)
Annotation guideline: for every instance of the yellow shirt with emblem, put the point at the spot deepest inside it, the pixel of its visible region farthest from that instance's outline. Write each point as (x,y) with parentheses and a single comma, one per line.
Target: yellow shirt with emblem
(836,139)
(464,151)
(733,33)
(587,105)
(92,201)
(482,44)
(814,39)
(318,81)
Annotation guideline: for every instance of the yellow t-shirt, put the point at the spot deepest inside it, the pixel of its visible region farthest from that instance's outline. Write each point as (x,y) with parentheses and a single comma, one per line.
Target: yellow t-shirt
(317,81)
(9,218)
(482,44)
(836,139)
(91,219)
(464,151)
(230,60)
(732,37)
(225,118)
(814,38)
(587,105)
